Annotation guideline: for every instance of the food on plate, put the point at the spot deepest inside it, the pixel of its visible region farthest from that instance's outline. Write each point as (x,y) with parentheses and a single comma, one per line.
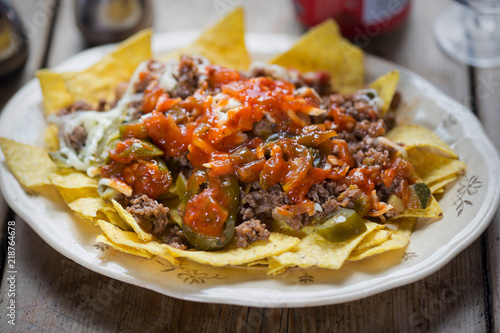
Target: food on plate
(208,157)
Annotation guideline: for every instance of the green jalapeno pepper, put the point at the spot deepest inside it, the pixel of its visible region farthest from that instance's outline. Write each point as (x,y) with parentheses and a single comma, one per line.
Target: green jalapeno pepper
(344,224)
(224,201)
(420,194)
(133,149)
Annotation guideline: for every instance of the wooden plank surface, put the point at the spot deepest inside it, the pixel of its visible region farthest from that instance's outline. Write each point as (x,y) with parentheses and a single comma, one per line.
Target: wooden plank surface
(36,20)
(487,99)
(55,294)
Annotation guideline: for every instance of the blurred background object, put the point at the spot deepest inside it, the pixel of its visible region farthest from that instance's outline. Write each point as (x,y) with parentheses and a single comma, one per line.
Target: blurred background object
(107,21)
(469,31)
(13,42)
(356,18)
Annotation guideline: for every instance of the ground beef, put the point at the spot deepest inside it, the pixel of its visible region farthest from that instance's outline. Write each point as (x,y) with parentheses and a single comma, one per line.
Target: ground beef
(76,139)
(350,196)
(251,231)
(385,192)
(103,105)
(372,156)
(257,203)
(174,236)
(76,106)
(141,85)
(263,129)
(149,214)
(319,81)
(187,78)
(367,128)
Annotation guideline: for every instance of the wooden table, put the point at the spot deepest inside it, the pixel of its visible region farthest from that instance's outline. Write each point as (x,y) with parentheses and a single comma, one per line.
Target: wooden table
(57,295)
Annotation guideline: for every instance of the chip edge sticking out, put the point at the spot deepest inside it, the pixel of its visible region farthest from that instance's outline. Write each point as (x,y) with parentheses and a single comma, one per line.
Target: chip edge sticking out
(30,165)
(223,43)
(61,89)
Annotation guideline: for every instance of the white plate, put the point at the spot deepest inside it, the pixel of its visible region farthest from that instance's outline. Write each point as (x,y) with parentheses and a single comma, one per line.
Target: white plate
(468,205)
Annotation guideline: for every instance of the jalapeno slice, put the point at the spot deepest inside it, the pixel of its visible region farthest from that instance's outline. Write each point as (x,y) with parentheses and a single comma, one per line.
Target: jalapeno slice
(342,225)
(132,149)
(420,194)
(209,216)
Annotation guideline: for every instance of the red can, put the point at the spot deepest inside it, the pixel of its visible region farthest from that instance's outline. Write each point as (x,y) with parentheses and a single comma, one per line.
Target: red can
(357,19)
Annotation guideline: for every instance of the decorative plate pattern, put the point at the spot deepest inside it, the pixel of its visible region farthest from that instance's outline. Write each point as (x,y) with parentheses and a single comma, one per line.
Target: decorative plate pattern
(468,206)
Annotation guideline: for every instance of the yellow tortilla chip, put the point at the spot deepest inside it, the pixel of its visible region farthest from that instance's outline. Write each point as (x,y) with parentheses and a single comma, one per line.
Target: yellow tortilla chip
(87,207)
(223,44)
(51,137)
(30,165)
(416,136)
(55,94)
(323,48)
(73,180)
(399,239)
(74,185)
(374,238)
(114,218)
(385,86)
(232,255)
(70,195)
(130,220)
(130,239)
(432,168)
(431,211)
(314,250)
(264,262)
(98,81)
(123,248)
(438,187)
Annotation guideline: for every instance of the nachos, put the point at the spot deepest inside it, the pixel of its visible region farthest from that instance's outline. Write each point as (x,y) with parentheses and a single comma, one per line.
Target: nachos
(205,156)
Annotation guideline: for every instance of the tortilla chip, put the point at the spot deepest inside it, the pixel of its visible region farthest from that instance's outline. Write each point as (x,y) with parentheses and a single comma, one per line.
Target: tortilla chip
(55,94)
(232,255)
(52,138)
(314,250)
(438,187)
(114,218)
(73,180)
(89,208)
(123,248)
(374,238)
(30,165)
(70,195)
(432,168)
(324,49)
(130,239)
(399,239)
(431,211)
(98,81)
(130,220)
(223,44)
(416,136)
(385,86)
(259,262)
(74,185)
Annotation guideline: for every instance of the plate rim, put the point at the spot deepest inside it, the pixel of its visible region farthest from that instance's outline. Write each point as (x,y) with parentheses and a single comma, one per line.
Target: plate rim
(254,39)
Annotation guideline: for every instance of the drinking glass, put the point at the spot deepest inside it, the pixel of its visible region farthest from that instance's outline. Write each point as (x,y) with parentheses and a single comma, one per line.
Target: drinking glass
(469,31)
